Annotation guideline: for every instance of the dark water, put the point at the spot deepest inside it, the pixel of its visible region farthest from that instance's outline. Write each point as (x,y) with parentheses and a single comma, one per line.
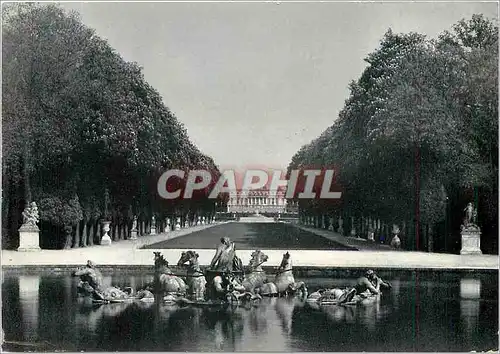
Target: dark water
(449,312)
(252,236)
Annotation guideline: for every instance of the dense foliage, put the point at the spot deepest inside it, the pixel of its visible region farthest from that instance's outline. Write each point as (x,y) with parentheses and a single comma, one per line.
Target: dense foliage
(417,138)
(83,132)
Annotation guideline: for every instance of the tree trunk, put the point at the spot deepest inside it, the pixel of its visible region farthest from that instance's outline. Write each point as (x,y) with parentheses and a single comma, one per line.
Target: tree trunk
(26,175)
(113,230)
(76,242)
(6,205)
(91,233)
(417,197)
(100,232)
(85,233)
(430,240)
(120,230)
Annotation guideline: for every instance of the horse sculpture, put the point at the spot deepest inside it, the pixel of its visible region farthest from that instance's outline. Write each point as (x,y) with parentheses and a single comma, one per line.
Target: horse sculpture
(165,282)
(284,281)
(195,277)
(257,276)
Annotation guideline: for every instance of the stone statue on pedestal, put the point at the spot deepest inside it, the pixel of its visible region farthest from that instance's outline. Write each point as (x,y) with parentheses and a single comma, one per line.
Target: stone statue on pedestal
(470,232)
(133,232)
(134,223)
(396,241)
(330,224)
(340,230)
(167,225)
(29,233)
(371,234)
(153,226)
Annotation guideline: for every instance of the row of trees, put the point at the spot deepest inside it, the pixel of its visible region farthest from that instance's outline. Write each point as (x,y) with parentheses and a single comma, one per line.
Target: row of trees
(417,137)
(84,135)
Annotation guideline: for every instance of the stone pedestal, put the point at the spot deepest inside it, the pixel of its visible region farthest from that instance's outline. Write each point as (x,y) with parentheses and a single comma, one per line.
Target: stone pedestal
(471,240)
(198,221)
(106,240)
(167,225)
(29,238)
(203,220)
(133,234)
(178,224)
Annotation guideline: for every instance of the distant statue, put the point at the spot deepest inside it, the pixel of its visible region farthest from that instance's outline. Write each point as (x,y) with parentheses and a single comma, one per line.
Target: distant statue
(153,221)
(30,214)
(396,241)
(134,223)
(470,215)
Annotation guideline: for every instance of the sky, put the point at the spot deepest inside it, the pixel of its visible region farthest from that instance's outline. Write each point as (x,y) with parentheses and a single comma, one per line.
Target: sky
(254,82)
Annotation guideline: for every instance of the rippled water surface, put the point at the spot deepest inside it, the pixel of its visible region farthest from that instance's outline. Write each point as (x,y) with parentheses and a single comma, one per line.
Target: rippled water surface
(448,312)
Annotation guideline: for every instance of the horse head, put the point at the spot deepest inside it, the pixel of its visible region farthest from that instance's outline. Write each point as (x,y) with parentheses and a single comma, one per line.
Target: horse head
(161,264)
(81,271)
(189,256)
(286,262)
(257,258)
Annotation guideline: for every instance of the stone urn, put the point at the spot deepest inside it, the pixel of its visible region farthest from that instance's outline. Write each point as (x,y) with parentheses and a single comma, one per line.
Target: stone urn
(106,240)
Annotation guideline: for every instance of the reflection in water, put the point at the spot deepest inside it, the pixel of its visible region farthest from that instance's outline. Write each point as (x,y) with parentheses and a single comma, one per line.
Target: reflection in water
(28,296)
(47,309)
(470,288)
(284,309)
(395,291)
(470,293)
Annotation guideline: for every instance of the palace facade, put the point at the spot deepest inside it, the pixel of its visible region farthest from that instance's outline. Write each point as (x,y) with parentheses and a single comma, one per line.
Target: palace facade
(259,201)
